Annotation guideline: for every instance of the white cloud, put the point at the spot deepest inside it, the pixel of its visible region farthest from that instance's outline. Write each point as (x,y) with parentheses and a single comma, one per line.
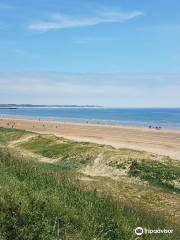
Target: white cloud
(58,21)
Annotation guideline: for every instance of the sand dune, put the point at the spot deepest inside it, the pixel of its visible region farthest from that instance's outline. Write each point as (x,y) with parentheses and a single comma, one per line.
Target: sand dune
(163,142)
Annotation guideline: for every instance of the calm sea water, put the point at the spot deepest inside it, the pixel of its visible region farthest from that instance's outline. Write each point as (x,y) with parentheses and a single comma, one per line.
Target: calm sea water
(166,118)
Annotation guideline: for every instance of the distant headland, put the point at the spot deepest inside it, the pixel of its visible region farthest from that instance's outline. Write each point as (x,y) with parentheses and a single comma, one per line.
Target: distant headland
(16,106)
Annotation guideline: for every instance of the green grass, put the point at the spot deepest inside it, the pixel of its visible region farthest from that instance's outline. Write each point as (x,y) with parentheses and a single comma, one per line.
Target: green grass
(46,201)
(118,165)
(157,174)
(72,164)
(49,146)
(38,202)
(69,155)
(8,135)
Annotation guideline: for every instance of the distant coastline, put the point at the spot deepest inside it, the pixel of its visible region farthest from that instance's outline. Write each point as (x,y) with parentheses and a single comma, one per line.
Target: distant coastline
(8,108)
(16,106)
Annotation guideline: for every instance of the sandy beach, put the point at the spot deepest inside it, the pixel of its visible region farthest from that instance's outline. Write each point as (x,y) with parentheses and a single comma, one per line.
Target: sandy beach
(163,142)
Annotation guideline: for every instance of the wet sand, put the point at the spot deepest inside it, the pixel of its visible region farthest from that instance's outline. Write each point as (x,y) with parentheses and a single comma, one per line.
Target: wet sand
(163,142)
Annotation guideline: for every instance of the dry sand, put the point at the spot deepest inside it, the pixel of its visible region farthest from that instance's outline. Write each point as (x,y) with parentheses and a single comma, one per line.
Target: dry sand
(163,142)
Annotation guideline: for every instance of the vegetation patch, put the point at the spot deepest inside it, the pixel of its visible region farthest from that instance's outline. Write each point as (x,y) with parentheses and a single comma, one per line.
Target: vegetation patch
(44,203)
(157,174)
(118,165)
(72,164)
(66,149)
(10,134)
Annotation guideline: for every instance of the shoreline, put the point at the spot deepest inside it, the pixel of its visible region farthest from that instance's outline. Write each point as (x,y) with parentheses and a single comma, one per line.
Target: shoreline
(163,142)
(90,123)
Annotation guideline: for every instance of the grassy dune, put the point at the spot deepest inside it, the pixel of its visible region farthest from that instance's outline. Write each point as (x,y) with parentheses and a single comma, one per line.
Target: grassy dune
(158,171)
(59,148)
(158,174)
(7,135)
(37,203)
(52,201)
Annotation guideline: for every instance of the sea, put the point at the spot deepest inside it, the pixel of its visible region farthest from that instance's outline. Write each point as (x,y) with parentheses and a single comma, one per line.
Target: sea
(139,117)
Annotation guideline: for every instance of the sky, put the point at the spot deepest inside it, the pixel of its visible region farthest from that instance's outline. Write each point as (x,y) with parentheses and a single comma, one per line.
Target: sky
(118,53)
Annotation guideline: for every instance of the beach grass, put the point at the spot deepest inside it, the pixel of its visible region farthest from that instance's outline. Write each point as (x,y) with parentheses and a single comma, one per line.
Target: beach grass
(51,147)
(157,174)
(10,134)
(38,202)
(43,200)
(158,171)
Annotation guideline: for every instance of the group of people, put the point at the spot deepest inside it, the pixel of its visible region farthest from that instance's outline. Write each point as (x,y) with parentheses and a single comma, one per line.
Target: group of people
(156,127)
(10,124)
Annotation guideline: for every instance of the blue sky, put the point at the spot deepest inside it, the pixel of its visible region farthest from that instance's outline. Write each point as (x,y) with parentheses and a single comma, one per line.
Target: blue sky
(115,53)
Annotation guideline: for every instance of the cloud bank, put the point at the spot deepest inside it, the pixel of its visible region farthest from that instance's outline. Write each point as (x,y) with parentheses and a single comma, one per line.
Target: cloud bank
(111,90)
